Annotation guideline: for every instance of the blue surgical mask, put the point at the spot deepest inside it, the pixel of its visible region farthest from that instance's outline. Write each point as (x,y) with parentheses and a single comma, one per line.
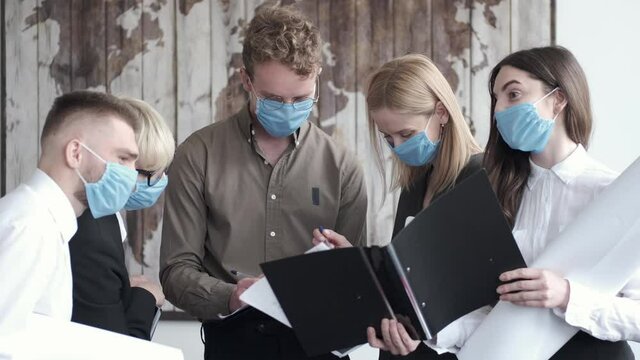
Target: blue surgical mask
(281,120)
(419,150)
(144,196)
(108,195)
(523,129)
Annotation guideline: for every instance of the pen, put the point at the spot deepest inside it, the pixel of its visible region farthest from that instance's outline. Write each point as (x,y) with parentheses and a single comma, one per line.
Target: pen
(240,275)
(326,241)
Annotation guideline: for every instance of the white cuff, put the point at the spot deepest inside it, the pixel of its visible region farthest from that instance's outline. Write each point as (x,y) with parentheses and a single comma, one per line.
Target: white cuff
(581,303)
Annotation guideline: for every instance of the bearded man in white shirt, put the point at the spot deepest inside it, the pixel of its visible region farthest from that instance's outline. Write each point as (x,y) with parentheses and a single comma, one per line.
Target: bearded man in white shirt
(88,160)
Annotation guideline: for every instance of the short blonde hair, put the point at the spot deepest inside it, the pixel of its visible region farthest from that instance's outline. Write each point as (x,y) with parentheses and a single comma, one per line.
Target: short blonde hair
(283,34)
(412,84)
(155,140)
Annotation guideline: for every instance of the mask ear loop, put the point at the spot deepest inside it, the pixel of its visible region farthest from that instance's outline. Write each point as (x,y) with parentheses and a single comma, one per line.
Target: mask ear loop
(92,153)
(546,96)
(426,128)
(80,176)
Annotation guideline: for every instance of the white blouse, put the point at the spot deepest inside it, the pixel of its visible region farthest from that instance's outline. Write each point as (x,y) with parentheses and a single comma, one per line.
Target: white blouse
(36,223)
(552,199)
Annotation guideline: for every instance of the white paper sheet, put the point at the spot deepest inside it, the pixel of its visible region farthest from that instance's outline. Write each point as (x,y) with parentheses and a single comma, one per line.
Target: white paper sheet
(261,296)
(54,339)
(599,249)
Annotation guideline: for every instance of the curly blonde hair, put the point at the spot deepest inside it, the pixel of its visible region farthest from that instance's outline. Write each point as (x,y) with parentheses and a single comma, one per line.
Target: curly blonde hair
(283,34)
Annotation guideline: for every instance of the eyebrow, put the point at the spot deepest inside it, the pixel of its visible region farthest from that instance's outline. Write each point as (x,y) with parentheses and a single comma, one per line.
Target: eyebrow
(270,95)
(397,132)
(504,87)
(128,153)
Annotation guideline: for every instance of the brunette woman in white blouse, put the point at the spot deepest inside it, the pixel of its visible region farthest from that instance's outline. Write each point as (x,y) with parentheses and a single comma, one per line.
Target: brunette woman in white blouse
(541,123)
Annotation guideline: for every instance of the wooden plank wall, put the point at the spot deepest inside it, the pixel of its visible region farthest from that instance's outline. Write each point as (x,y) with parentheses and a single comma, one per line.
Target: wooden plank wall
(183,57)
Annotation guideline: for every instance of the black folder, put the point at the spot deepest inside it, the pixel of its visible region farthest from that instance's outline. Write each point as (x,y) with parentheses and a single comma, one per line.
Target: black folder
(441,266)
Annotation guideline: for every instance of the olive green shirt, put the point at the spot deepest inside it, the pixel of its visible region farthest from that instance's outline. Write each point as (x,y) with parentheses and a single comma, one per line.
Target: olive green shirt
(228,209)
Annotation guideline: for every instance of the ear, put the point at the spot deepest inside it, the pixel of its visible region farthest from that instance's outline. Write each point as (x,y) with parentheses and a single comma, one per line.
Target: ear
(442,114)
(560,102)
(246,80)
(73,154)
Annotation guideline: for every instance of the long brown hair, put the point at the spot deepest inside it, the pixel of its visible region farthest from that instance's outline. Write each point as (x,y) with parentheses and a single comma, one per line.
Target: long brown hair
(555,66)
(412,84)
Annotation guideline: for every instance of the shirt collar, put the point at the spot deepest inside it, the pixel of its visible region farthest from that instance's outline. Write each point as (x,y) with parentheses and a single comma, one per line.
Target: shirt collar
(566,170)
(246,127)
(57,203)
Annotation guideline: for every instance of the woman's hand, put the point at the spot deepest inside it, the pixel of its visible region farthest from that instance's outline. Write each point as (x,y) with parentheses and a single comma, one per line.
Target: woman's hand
(395,338)
(535,287)
(331,238)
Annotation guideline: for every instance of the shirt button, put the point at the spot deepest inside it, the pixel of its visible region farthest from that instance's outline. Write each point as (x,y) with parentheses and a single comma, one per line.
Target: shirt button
(273,196)
(273,233)
(266,162)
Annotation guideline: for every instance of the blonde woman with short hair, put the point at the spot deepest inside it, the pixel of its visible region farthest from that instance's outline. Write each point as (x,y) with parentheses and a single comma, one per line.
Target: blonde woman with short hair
(156,146)
(103,294)
(414,111)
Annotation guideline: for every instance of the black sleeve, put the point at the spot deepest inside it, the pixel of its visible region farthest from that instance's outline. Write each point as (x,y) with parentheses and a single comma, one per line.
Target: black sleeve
(102,296)
(140,311)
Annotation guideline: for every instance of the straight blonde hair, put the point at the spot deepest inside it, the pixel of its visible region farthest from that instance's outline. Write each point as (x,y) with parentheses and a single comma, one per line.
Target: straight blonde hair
(412,84)
(155,140)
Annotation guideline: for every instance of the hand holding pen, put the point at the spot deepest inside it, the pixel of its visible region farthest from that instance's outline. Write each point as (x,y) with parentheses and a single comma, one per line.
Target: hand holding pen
(329,237)
(244,282)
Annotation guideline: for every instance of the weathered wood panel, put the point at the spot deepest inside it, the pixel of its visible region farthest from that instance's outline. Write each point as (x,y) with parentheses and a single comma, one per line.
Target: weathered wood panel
(375,37)
(158,64)
(184,56)
(412,27)
(531,24)
(88,39)
(490,42)
(124,48)
(451,44)
(2,100)
(21,102)
(193,40)
(53,23)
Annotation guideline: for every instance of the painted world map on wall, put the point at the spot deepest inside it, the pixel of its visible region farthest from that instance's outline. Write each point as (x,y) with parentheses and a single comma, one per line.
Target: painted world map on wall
(184,56)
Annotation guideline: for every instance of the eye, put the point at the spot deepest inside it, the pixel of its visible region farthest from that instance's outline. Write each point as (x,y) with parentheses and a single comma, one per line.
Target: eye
(406,135)
(513,95)
(275,98)
(388,139)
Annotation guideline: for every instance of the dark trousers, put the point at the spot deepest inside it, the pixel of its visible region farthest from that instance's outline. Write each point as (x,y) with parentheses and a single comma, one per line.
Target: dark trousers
(585,346)
(581,347)
(423,352)
(251,335)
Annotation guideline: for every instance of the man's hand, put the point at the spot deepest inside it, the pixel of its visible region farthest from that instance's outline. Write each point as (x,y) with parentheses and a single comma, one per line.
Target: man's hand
(154,288)
(331,238)
(234,301)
